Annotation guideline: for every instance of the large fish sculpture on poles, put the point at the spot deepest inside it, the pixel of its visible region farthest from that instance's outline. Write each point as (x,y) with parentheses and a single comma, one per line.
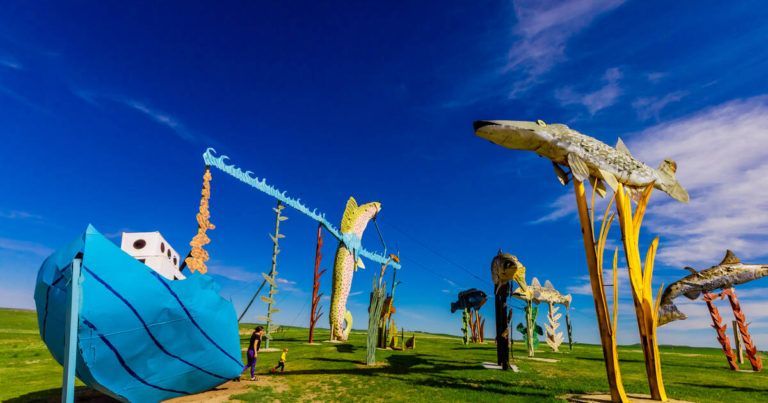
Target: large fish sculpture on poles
(729,272)
(353,223)
(585,156)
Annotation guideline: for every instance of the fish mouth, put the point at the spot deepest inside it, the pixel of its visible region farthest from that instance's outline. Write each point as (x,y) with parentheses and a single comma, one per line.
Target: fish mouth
(479,124)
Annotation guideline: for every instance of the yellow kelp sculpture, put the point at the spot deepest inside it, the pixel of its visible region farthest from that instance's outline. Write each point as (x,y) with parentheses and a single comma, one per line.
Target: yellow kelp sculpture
(198,256)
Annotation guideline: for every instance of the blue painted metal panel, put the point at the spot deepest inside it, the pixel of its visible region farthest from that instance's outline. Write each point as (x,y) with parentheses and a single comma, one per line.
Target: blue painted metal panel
(141,337)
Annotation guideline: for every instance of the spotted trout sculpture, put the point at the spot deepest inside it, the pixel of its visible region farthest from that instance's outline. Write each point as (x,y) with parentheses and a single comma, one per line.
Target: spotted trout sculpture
(353,223)
(728,273)
(586,156)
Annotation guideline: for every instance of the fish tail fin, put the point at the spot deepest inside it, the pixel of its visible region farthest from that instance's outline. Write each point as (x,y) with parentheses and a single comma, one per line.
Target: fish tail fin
(669,183)
(348,325)
(668,313)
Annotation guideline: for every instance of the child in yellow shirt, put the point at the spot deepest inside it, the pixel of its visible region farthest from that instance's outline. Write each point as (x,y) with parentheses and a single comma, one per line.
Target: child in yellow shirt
(281,363)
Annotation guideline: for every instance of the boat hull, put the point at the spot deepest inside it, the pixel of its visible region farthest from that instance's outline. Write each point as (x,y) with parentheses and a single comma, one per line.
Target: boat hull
(141,337)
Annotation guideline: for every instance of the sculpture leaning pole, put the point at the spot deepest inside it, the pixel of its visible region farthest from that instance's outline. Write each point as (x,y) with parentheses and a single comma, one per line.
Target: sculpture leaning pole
(592,160)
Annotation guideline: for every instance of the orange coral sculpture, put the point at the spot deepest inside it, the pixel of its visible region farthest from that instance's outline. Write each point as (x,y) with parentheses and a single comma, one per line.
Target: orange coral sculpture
(198,256)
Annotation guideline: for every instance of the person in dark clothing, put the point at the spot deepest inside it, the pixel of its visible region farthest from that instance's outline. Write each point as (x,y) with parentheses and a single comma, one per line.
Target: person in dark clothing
(253,350)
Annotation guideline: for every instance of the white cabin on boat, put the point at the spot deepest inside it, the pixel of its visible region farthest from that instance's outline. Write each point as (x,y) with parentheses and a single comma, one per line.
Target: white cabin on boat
(154,251)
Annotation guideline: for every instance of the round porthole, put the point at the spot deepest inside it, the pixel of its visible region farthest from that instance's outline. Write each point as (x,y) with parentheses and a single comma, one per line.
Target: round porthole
(169,253)
(139,244)
(174,260)
(162,247)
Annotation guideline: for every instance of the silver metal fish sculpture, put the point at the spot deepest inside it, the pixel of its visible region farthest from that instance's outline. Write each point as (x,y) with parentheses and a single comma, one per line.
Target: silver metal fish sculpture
(728,273)
(585,156)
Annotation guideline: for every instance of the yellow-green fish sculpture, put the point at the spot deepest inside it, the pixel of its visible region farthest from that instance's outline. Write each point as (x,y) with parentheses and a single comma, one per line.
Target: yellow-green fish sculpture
(353,223)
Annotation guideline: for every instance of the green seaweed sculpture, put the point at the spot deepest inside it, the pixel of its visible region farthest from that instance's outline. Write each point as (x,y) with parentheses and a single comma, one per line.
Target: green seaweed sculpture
(465,326)
(531,331)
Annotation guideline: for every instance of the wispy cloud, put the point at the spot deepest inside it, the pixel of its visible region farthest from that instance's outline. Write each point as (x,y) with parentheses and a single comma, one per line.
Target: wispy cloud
(19,215)
(156,115)
(720,153)
(162,118)
(236,273)
(598,99)
(650,107)
(542,32)
(18,246)
(11,63)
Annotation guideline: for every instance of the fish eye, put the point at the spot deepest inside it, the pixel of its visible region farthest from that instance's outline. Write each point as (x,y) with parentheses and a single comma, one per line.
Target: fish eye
(541,123)
(506,265)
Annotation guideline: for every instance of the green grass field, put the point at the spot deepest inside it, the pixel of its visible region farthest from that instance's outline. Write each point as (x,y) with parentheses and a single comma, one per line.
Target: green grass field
(440,368)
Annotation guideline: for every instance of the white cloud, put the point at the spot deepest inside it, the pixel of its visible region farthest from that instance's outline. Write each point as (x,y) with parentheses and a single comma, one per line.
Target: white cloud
(598,99)
(236,273)
(356,293)
(10,62)
(650,107)
(19,215)
(15,245)
(543,29)
(161,118)
(563,206)
(721,157)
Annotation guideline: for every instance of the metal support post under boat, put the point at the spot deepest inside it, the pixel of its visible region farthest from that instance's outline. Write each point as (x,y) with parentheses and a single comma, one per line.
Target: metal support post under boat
(70,335)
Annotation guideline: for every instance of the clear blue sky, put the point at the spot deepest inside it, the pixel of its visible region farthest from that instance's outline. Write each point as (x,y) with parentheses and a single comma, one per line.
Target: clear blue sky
(105,111)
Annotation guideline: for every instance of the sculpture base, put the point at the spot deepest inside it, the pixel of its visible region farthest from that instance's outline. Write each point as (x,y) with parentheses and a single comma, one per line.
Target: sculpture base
(550,360)
(606,398)
(491,365)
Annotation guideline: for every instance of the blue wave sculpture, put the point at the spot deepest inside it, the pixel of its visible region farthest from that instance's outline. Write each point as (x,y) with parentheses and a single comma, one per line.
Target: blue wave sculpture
(350,240)
(141,337)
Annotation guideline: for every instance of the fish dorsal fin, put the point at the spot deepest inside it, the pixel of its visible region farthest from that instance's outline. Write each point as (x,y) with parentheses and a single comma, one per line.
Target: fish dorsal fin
(548,285)
(691,269)
(730,258)
(535,283)
(579,168)
(621,147)
(348,219)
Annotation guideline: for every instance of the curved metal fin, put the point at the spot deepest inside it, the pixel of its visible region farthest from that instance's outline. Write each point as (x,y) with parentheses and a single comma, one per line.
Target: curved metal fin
(579,168)
(730,258)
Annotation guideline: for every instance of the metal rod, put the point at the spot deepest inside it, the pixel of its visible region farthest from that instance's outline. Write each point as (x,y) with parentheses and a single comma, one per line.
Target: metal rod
(70,335)
(251,301)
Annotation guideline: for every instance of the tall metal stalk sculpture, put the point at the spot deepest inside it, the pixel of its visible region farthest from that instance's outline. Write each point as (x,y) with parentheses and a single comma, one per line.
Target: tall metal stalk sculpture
(315,311)
(640,278)
(594,249)
(273,272)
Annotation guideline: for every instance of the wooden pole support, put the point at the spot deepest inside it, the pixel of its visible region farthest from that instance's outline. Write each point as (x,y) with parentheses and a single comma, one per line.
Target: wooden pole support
(737,342)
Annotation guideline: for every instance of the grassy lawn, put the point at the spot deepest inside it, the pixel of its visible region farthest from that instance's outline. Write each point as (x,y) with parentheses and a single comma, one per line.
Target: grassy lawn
(440,368)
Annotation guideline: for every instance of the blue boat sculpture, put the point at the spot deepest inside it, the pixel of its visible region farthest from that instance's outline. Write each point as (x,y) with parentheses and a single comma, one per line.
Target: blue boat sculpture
(140,336)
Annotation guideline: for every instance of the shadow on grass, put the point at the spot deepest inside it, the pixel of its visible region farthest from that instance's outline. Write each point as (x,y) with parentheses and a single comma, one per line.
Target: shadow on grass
(487,385)
(346,348)
(724,387)
(82,394)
